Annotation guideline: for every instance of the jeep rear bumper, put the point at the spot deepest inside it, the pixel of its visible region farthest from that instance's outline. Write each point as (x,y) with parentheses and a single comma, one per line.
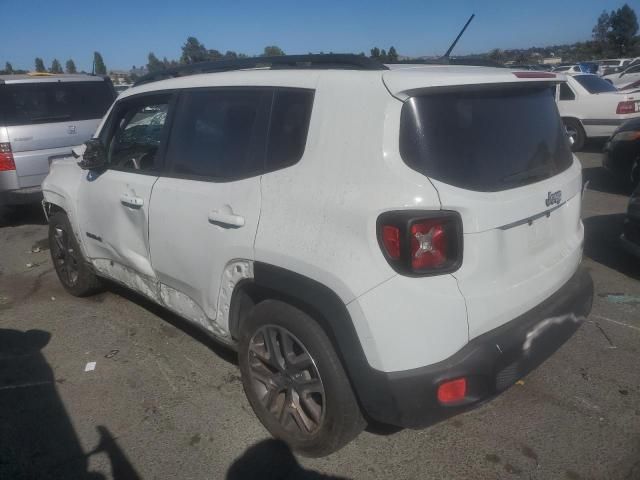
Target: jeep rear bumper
(491,363)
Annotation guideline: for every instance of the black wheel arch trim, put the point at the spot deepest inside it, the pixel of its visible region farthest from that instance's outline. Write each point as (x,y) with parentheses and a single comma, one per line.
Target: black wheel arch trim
(331,313)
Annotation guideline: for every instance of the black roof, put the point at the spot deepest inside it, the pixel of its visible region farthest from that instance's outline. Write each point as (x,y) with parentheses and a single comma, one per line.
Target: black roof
(318,61)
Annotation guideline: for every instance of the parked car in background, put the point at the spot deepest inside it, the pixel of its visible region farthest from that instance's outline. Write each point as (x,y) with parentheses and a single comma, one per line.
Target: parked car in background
(628,76)
(566,68)
(121,87)
(41,118)
(631,230)
(612,65)
(622,152)
(593,108)
(390,244)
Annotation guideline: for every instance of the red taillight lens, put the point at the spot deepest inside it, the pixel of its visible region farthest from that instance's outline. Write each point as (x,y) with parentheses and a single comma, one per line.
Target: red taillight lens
(6,157)
(391,241)
(626,107)
(452,391)
(428,244)
(417,243)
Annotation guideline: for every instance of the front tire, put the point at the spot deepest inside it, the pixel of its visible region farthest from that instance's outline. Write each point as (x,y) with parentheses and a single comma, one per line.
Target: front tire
(295,382)
(72,269)
(575,131)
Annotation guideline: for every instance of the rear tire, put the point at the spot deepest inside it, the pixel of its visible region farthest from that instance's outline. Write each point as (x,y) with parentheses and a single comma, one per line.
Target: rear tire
(575,131)
(295,382)
(72,269)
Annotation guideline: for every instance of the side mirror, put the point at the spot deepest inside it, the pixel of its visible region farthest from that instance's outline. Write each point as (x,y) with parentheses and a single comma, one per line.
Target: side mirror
(94,155)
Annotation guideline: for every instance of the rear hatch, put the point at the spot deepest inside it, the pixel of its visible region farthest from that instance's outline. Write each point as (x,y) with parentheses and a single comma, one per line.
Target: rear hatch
(496,151)
(45,119)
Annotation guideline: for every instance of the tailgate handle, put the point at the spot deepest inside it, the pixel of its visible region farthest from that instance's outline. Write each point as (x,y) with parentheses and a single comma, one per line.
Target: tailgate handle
(131,201)
(226,218)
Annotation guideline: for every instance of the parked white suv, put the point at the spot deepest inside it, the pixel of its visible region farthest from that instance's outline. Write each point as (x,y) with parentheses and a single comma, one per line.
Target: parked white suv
(381,245)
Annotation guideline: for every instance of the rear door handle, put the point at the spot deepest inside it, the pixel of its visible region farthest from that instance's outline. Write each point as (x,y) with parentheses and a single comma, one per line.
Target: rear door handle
(226,218)
(131,201)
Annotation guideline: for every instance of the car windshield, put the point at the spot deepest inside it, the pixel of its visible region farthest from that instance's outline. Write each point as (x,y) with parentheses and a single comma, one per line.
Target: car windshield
(595,84)
(48,102)
(485,140)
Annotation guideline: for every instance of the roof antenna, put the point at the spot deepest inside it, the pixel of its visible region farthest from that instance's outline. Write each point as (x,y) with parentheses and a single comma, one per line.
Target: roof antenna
(448,52)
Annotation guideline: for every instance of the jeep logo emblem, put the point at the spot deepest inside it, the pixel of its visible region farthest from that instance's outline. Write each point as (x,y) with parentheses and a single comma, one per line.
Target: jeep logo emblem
(554,198)
(71,129)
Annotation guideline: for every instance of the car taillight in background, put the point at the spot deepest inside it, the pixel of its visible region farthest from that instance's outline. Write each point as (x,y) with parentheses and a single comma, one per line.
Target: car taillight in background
(629,106)
(6,157)
(418,243)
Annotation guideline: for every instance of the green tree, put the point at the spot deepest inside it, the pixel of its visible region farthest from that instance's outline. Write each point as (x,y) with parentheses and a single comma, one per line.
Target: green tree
(392,55)
(623,27)
(98,64)
(40,65)
(272,51)
(153,64)
(193,51)
(601,29)
(230,54)
(70,66)
(55,66)
(497,55)
(8,68)
(375,52)
(214,55)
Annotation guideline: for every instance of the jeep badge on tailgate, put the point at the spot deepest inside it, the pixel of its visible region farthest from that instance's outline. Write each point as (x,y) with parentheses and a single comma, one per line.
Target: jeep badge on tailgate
(554,198)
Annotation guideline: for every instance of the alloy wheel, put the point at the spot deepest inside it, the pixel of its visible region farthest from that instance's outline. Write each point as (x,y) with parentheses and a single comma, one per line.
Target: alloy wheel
(286,380)
(65,256)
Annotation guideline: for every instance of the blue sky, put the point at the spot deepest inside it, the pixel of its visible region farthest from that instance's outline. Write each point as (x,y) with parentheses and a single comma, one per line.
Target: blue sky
(126,31)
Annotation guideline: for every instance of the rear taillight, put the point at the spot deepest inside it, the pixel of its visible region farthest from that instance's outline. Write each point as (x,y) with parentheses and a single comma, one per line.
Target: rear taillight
(419,243)
(6,157)
(627,107)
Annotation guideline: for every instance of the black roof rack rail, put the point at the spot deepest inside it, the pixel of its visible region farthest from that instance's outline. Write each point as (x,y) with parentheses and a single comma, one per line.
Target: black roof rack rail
(343,61)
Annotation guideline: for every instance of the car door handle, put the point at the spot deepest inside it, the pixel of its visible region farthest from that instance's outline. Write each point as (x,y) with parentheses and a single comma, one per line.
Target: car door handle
(226,219)
(131,201)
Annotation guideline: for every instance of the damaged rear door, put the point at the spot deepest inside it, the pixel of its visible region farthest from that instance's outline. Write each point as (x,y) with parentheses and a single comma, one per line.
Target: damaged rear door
(113,205)
(205,210)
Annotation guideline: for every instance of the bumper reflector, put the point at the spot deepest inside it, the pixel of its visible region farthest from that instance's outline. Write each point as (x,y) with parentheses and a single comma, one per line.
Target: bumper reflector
(452,391)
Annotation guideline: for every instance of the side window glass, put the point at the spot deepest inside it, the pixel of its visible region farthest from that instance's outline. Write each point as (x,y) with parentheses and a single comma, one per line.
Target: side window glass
(566,93)
(289,126)
(215,132)
(136,136)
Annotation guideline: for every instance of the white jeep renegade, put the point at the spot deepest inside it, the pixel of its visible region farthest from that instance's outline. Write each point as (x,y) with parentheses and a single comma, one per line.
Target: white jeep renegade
(379,244)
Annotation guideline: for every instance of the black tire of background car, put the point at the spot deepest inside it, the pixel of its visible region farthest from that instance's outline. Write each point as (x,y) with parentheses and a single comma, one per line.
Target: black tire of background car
(343,420)
(87,283)
(571,124)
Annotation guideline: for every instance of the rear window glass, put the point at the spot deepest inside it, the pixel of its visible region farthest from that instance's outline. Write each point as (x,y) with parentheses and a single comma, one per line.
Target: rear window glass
(595,84)
(49,102)
(289,126)
(485,140)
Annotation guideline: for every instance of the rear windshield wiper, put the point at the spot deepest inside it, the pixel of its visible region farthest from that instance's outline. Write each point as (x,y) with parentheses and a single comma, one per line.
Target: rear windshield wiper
(537,173)
(51,117)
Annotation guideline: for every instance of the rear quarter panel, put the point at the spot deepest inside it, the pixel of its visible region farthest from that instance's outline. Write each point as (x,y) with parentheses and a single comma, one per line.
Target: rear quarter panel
(319,220)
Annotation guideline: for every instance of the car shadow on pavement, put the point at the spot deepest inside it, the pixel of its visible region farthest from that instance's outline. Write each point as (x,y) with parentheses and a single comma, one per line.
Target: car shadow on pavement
(22,215)
(602,244)
(198,334)
(272,460)
(37,438)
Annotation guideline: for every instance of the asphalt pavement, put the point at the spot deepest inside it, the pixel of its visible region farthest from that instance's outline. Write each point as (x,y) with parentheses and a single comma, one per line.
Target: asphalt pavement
(164,401)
